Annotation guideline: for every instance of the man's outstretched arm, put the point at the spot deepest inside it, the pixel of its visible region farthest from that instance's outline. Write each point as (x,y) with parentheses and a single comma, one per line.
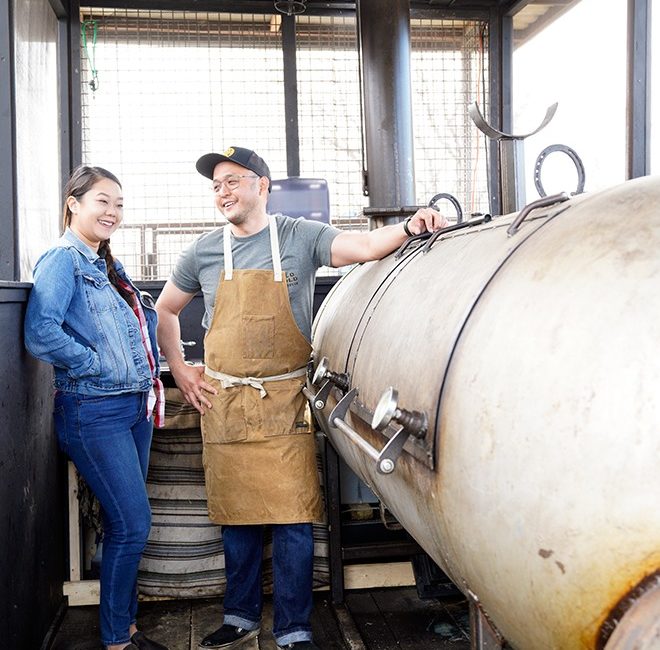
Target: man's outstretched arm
(352,247)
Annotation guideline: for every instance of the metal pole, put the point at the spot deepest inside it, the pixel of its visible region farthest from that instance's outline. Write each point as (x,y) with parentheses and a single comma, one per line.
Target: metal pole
(384,39)
(75,100)
(495,108)
(638,104)
(291,95)
(9,252)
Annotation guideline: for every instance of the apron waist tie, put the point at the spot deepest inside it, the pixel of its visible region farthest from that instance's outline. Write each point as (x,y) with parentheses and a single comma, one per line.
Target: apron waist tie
(228,381)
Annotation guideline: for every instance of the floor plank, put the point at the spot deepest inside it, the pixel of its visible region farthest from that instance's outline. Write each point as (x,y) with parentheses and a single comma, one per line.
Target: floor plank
(167,622)
(397,618)
(205,617)
(347,628)
(325,627)
(80,631)
(380,619)
(266,640)
(369,620)
(413,621)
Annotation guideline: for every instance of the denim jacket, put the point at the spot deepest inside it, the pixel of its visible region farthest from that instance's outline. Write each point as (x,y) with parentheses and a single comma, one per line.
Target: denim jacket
(77,322)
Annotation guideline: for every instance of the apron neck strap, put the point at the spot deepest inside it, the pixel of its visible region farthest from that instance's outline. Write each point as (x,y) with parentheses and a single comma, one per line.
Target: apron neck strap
(226,245)
(274,250)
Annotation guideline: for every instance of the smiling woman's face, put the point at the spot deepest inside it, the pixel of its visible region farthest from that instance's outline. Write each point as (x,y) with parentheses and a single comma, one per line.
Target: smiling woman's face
(98,212)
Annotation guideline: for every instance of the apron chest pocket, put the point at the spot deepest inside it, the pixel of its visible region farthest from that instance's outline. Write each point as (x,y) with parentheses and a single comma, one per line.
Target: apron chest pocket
(258,336)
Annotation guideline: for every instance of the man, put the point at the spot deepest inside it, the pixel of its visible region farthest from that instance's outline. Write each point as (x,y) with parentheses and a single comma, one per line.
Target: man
(257,276)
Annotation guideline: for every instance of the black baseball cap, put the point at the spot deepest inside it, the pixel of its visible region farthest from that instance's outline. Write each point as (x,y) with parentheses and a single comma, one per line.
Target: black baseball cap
(239,155)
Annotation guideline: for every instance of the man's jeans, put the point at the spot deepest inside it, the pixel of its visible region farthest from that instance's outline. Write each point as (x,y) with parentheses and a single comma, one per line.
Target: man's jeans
(293,554)
(108,440)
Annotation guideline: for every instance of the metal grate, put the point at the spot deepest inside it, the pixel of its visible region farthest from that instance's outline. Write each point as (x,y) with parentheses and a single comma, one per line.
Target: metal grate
(171,87)
(449,71)
(174,85)
(329,112)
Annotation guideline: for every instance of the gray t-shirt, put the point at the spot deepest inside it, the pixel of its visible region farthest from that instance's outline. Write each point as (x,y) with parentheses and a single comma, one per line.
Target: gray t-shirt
(304,247)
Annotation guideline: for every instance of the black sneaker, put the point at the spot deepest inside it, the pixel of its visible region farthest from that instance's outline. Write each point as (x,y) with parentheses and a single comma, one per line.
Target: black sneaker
(302,645)
(144,643)
(228,636)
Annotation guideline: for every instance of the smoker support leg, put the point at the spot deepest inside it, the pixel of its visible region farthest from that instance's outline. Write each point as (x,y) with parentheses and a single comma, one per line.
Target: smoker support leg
(482,633)
(333,501)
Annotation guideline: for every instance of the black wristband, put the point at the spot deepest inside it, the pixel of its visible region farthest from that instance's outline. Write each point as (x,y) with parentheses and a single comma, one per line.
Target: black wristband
(406,221)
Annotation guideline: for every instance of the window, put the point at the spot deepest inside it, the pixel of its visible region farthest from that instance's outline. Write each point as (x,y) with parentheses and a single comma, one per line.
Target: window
(579,61)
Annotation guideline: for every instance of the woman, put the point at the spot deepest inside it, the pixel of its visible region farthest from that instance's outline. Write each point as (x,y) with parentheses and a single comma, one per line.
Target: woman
(89,321)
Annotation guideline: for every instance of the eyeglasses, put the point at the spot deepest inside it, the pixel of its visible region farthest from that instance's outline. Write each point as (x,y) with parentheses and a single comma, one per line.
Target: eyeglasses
(231,182)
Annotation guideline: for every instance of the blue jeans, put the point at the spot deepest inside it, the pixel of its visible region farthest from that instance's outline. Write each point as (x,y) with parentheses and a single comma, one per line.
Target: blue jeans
(108,440)
(293,556)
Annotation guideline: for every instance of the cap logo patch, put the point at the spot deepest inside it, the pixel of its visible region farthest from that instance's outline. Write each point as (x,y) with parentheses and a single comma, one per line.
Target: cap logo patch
(229,152)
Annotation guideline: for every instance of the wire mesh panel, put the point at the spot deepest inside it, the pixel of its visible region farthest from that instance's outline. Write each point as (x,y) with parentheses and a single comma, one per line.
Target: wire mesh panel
(449,69)
(329,112)
(160,88)
(171,86)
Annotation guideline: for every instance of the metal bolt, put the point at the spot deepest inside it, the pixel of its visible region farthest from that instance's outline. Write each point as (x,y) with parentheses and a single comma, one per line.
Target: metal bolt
(319,404)
(386,466)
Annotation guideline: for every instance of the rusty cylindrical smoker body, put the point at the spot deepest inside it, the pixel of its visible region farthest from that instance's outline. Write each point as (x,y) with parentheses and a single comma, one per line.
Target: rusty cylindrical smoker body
(535,357)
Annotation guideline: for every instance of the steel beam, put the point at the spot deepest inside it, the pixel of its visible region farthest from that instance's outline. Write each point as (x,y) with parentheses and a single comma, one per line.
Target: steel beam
(638,102)
(495,107)
(9,264)
(74,89)
(384,42)
(291,95)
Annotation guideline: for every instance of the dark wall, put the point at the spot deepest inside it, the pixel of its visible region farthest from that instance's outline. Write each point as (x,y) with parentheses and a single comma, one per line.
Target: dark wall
(190,319)
(32,489)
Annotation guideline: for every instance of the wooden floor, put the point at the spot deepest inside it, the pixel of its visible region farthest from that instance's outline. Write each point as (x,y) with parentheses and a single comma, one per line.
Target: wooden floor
(379,619)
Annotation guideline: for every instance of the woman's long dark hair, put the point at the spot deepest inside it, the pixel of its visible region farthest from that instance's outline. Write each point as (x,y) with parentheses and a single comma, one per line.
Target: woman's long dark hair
(82,180)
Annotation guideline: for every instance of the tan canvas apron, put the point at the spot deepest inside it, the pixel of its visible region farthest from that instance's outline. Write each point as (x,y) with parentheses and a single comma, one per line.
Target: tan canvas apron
(259,454)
